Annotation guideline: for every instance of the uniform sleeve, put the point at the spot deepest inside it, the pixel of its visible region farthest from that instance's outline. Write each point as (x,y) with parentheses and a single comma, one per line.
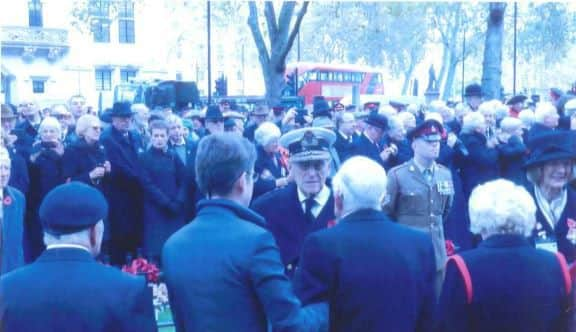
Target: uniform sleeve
(392,189)
(283,309)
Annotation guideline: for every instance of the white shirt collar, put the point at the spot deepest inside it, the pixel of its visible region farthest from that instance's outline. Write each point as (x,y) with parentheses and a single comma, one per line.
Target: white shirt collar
(61,246)
(321,199)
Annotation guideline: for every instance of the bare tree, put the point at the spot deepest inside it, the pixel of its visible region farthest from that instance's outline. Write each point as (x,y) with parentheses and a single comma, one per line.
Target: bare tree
(492,64)
(281,36)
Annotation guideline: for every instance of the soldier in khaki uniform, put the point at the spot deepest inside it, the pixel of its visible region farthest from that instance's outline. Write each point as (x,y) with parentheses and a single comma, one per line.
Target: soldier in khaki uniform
(420,191)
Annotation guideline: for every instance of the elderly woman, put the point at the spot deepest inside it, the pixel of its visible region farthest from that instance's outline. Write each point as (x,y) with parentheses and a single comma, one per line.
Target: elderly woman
(546,119)
(45,174)
(481,162)
(85,160)
(270,166)
(549,169)
(505,284)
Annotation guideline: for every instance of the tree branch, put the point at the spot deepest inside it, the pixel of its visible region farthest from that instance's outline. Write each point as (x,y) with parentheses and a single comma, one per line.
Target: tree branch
(270,15)
(263,54)
(294,32)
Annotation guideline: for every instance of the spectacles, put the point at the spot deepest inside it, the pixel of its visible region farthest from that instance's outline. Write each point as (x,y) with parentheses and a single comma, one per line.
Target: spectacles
(97,128)
(317,165)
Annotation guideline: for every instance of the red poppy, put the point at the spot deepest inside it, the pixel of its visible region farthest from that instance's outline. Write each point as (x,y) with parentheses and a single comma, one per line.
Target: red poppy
(571,223)
(331,223)
(450,248)
(7,200)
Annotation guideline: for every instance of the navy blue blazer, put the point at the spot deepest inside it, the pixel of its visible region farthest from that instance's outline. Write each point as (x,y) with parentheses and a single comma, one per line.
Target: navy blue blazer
(376,275)
(125,189)
(67,290)
(285,219)
(224,273)
(363,147)
(515,288)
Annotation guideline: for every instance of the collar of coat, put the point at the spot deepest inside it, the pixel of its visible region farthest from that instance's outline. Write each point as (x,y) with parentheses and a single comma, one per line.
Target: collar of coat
(239,210)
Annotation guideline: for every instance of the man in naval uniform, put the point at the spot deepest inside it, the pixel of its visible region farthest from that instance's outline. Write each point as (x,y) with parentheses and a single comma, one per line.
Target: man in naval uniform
(420,191)
(307,204)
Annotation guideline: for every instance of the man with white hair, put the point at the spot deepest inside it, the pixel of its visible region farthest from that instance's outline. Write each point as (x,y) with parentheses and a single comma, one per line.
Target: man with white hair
(66,289)
(307,204)
(505,284)
(376,275)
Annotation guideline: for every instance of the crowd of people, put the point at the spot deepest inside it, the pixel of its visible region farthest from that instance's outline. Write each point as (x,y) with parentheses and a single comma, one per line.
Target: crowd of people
(376,218)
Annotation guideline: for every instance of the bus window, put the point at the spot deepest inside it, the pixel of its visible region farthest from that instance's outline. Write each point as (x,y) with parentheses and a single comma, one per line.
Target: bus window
(347,77)
(338,77)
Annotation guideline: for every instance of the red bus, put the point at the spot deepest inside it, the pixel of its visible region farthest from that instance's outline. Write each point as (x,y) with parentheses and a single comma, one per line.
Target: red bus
(334,82)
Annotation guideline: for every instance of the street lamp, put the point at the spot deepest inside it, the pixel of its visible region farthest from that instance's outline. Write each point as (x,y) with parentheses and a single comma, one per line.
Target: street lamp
(209,53)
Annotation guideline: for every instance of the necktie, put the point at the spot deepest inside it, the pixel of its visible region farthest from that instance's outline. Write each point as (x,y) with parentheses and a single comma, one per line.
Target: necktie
(309,203)
(428,176)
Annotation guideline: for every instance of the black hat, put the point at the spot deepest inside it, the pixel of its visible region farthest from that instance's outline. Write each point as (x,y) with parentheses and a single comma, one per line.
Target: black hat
(72,207)
(430,130)
(121,109)
(516,99)
(213,113)
(321,108)
(549,146)
(377,120)
(473,90)
(397,104)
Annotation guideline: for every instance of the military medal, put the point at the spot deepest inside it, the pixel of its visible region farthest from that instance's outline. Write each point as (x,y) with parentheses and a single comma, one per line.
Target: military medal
(571,235)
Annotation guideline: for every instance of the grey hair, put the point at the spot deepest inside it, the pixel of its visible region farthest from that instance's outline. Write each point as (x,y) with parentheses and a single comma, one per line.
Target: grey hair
(510,124)
(472,121)
(527,117)
(362,182)
(172,120)
(543,110)
(84,122)
(266,132)
(80,238)
(501,207)
(50,122)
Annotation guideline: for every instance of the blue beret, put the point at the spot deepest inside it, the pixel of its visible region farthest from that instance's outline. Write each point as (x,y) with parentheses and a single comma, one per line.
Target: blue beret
(72,207)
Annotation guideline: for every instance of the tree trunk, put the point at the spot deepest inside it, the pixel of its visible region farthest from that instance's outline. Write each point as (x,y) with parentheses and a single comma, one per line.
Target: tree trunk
(281,38)
(450,74)
(492,65)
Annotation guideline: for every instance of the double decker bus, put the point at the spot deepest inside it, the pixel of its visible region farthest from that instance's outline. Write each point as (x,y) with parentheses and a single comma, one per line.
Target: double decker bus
(334,82)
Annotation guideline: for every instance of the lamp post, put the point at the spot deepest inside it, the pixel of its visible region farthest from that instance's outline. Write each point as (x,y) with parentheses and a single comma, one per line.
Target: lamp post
(209,53)
(463,61)
(515,33)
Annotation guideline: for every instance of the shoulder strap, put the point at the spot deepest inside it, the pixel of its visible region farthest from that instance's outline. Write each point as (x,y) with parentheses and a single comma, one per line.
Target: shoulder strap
(565,272)
(461,265)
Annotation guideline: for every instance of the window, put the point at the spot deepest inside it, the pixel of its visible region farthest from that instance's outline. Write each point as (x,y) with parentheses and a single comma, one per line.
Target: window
(127,74)
(38,86)
(126,22)
(35,13)
(103,79)
(100,11)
